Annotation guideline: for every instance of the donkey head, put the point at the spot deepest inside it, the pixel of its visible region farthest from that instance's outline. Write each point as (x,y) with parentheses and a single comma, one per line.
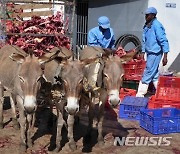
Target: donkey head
(112,76)
(72,76)
(28,78)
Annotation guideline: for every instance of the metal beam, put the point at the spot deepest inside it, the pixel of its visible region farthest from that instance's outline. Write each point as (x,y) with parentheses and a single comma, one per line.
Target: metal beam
(34,2)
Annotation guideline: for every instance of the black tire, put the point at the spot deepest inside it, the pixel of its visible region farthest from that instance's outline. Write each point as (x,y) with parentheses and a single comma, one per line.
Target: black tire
(128,38)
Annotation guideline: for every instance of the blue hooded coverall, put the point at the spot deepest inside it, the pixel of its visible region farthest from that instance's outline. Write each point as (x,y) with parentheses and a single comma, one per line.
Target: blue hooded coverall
(103,40)
(154,44)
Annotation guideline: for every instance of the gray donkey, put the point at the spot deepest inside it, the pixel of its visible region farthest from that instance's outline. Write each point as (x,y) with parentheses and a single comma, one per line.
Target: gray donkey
(20,75)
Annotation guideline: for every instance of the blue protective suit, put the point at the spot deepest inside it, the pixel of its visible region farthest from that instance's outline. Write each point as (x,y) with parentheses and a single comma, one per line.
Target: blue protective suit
(154,44)
(101,39)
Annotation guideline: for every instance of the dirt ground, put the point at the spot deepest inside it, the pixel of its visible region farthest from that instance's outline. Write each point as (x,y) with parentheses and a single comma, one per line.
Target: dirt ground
(44,136)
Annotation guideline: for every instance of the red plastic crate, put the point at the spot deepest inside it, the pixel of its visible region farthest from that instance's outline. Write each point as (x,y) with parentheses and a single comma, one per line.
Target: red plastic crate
(168,88)
(154,103)
(134,69)
(127,92)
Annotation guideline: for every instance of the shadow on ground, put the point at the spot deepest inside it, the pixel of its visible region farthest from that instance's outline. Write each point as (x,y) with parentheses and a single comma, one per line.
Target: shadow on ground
(46,124)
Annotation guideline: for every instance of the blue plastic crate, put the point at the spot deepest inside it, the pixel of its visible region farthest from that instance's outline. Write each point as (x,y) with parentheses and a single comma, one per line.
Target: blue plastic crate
(160,121)
(130,107)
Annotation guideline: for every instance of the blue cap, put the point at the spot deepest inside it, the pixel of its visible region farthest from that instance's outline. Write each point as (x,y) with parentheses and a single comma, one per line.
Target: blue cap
(151,10)
(104,22)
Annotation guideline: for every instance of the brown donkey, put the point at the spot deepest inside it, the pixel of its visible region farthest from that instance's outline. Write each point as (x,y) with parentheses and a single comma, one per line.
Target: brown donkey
(72,74)
(21,75)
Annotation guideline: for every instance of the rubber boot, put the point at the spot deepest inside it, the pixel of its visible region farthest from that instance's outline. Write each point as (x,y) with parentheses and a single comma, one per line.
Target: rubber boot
(142,89)
(155,83)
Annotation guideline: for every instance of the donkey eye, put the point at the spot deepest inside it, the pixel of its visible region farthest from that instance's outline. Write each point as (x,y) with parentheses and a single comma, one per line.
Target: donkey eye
(121,75)
(105,75)
(80,81)
(21,78)
(65,82)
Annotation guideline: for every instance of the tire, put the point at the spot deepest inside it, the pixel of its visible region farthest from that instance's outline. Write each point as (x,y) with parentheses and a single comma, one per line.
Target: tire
(129,38)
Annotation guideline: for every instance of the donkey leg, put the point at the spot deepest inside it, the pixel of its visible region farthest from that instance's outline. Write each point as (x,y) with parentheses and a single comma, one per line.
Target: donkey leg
(103,98)
(1,105)
(91,117)
(60,123)
(13,109)
(1,112)
(30,129)
(100,123)
(70,122)
(22,121)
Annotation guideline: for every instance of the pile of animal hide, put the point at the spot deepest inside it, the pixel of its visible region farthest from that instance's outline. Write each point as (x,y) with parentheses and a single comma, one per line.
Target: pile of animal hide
(39,34)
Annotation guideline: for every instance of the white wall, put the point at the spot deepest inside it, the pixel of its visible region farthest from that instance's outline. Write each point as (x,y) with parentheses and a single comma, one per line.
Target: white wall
(170,18)
(59,8)
(55,8)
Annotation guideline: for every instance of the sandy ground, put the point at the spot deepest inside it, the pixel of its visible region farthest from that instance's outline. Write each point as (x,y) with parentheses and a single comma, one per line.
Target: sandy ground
(44,136)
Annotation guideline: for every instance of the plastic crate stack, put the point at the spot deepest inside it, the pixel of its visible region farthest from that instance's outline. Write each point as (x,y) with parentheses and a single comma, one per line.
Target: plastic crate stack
(163,113)
(167,93)
(130,107)
(160,121)
(134,69)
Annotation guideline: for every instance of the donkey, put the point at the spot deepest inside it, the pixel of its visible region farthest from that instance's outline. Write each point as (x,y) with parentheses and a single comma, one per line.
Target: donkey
(73,73)
(24,73)
(5,77)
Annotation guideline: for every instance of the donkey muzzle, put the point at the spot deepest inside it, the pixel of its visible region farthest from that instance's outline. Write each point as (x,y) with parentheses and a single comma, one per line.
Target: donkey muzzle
(71,111)
(72,106)
(30,104)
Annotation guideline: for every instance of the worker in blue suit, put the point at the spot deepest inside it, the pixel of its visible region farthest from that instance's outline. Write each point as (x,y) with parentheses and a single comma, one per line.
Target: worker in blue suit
(102,35)
(156,46)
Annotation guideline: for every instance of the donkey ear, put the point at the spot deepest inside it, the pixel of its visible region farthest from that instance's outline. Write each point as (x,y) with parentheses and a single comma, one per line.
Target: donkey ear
(55,49)
(88,61)
(17,57)
(127,57)
(106,57)
(43,59)
(47,57)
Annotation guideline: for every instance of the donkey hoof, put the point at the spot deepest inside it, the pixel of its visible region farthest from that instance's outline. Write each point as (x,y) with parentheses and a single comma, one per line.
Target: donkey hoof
(101,143)
(22,148)
(73,146)
(58,148)
(16,126)
(1,126)
(30,145)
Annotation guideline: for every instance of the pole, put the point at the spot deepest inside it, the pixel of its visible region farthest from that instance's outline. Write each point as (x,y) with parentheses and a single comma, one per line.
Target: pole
(2,23)
(72,23)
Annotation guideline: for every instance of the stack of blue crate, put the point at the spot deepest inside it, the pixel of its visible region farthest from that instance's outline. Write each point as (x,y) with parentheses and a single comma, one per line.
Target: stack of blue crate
(130,107)
(160,121)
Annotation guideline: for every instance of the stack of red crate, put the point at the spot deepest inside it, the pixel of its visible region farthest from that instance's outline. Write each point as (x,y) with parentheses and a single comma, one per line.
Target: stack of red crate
(167,93)
(134,69)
